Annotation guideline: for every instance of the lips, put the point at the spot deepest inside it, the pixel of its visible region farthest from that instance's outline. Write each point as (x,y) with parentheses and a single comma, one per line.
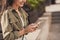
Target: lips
(21,2)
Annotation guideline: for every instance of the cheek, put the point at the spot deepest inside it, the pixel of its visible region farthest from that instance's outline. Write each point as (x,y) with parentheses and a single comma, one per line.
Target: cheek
(16,2)
(24,0)
(20,0)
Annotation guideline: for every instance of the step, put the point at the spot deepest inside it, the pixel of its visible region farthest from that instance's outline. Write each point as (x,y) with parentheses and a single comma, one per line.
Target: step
(56,21)
(55,18)
(47,13)
(53,8)
(55,14)
(57,1)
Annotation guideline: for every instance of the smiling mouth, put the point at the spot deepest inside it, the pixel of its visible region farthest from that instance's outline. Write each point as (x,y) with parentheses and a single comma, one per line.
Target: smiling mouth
(22,3)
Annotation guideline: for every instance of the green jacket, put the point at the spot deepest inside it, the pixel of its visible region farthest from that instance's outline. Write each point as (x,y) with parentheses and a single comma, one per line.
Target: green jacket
(11,23)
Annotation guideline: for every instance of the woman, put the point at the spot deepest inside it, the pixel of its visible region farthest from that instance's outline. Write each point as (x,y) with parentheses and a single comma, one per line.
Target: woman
(14,21)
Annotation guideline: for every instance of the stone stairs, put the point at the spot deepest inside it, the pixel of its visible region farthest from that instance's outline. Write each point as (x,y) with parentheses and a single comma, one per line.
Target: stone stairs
(56,17)
(55,11)
(54,33)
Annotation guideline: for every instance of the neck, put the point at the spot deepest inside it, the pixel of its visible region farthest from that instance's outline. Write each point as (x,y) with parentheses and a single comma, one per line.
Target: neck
(15,6)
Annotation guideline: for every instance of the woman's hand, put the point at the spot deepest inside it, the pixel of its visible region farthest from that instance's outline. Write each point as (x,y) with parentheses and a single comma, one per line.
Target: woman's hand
(30,28)
(22,32)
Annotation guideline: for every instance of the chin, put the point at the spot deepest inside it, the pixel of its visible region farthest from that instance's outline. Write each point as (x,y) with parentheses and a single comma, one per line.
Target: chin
(21,5)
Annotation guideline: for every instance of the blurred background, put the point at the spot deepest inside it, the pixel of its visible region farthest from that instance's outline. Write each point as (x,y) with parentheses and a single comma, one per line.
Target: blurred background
(48,10)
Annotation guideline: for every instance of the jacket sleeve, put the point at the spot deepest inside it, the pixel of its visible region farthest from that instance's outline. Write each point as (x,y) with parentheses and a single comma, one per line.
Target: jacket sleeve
(7,30)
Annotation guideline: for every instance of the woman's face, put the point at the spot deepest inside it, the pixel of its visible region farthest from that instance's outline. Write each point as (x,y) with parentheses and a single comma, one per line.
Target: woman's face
(20,3)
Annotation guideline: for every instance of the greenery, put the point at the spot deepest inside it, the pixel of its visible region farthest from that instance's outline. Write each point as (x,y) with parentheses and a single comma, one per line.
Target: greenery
(34,3)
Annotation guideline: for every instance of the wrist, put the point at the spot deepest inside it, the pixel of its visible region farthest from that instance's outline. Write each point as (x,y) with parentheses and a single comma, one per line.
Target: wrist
(25,31)
(21,32)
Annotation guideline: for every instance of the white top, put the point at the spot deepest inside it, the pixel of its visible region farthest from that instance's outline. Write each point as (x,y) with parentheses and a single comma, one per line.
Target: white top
(22,21)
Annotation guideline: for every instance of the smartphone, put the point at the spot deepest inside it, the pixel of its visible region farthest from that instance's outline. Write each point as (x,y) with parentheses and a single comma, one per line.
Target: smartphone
(38,23)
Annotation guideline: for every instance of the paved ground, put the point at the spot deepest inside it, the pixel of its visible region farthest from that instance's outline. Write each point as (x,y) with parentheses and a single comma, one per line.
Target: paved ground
(54,32)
